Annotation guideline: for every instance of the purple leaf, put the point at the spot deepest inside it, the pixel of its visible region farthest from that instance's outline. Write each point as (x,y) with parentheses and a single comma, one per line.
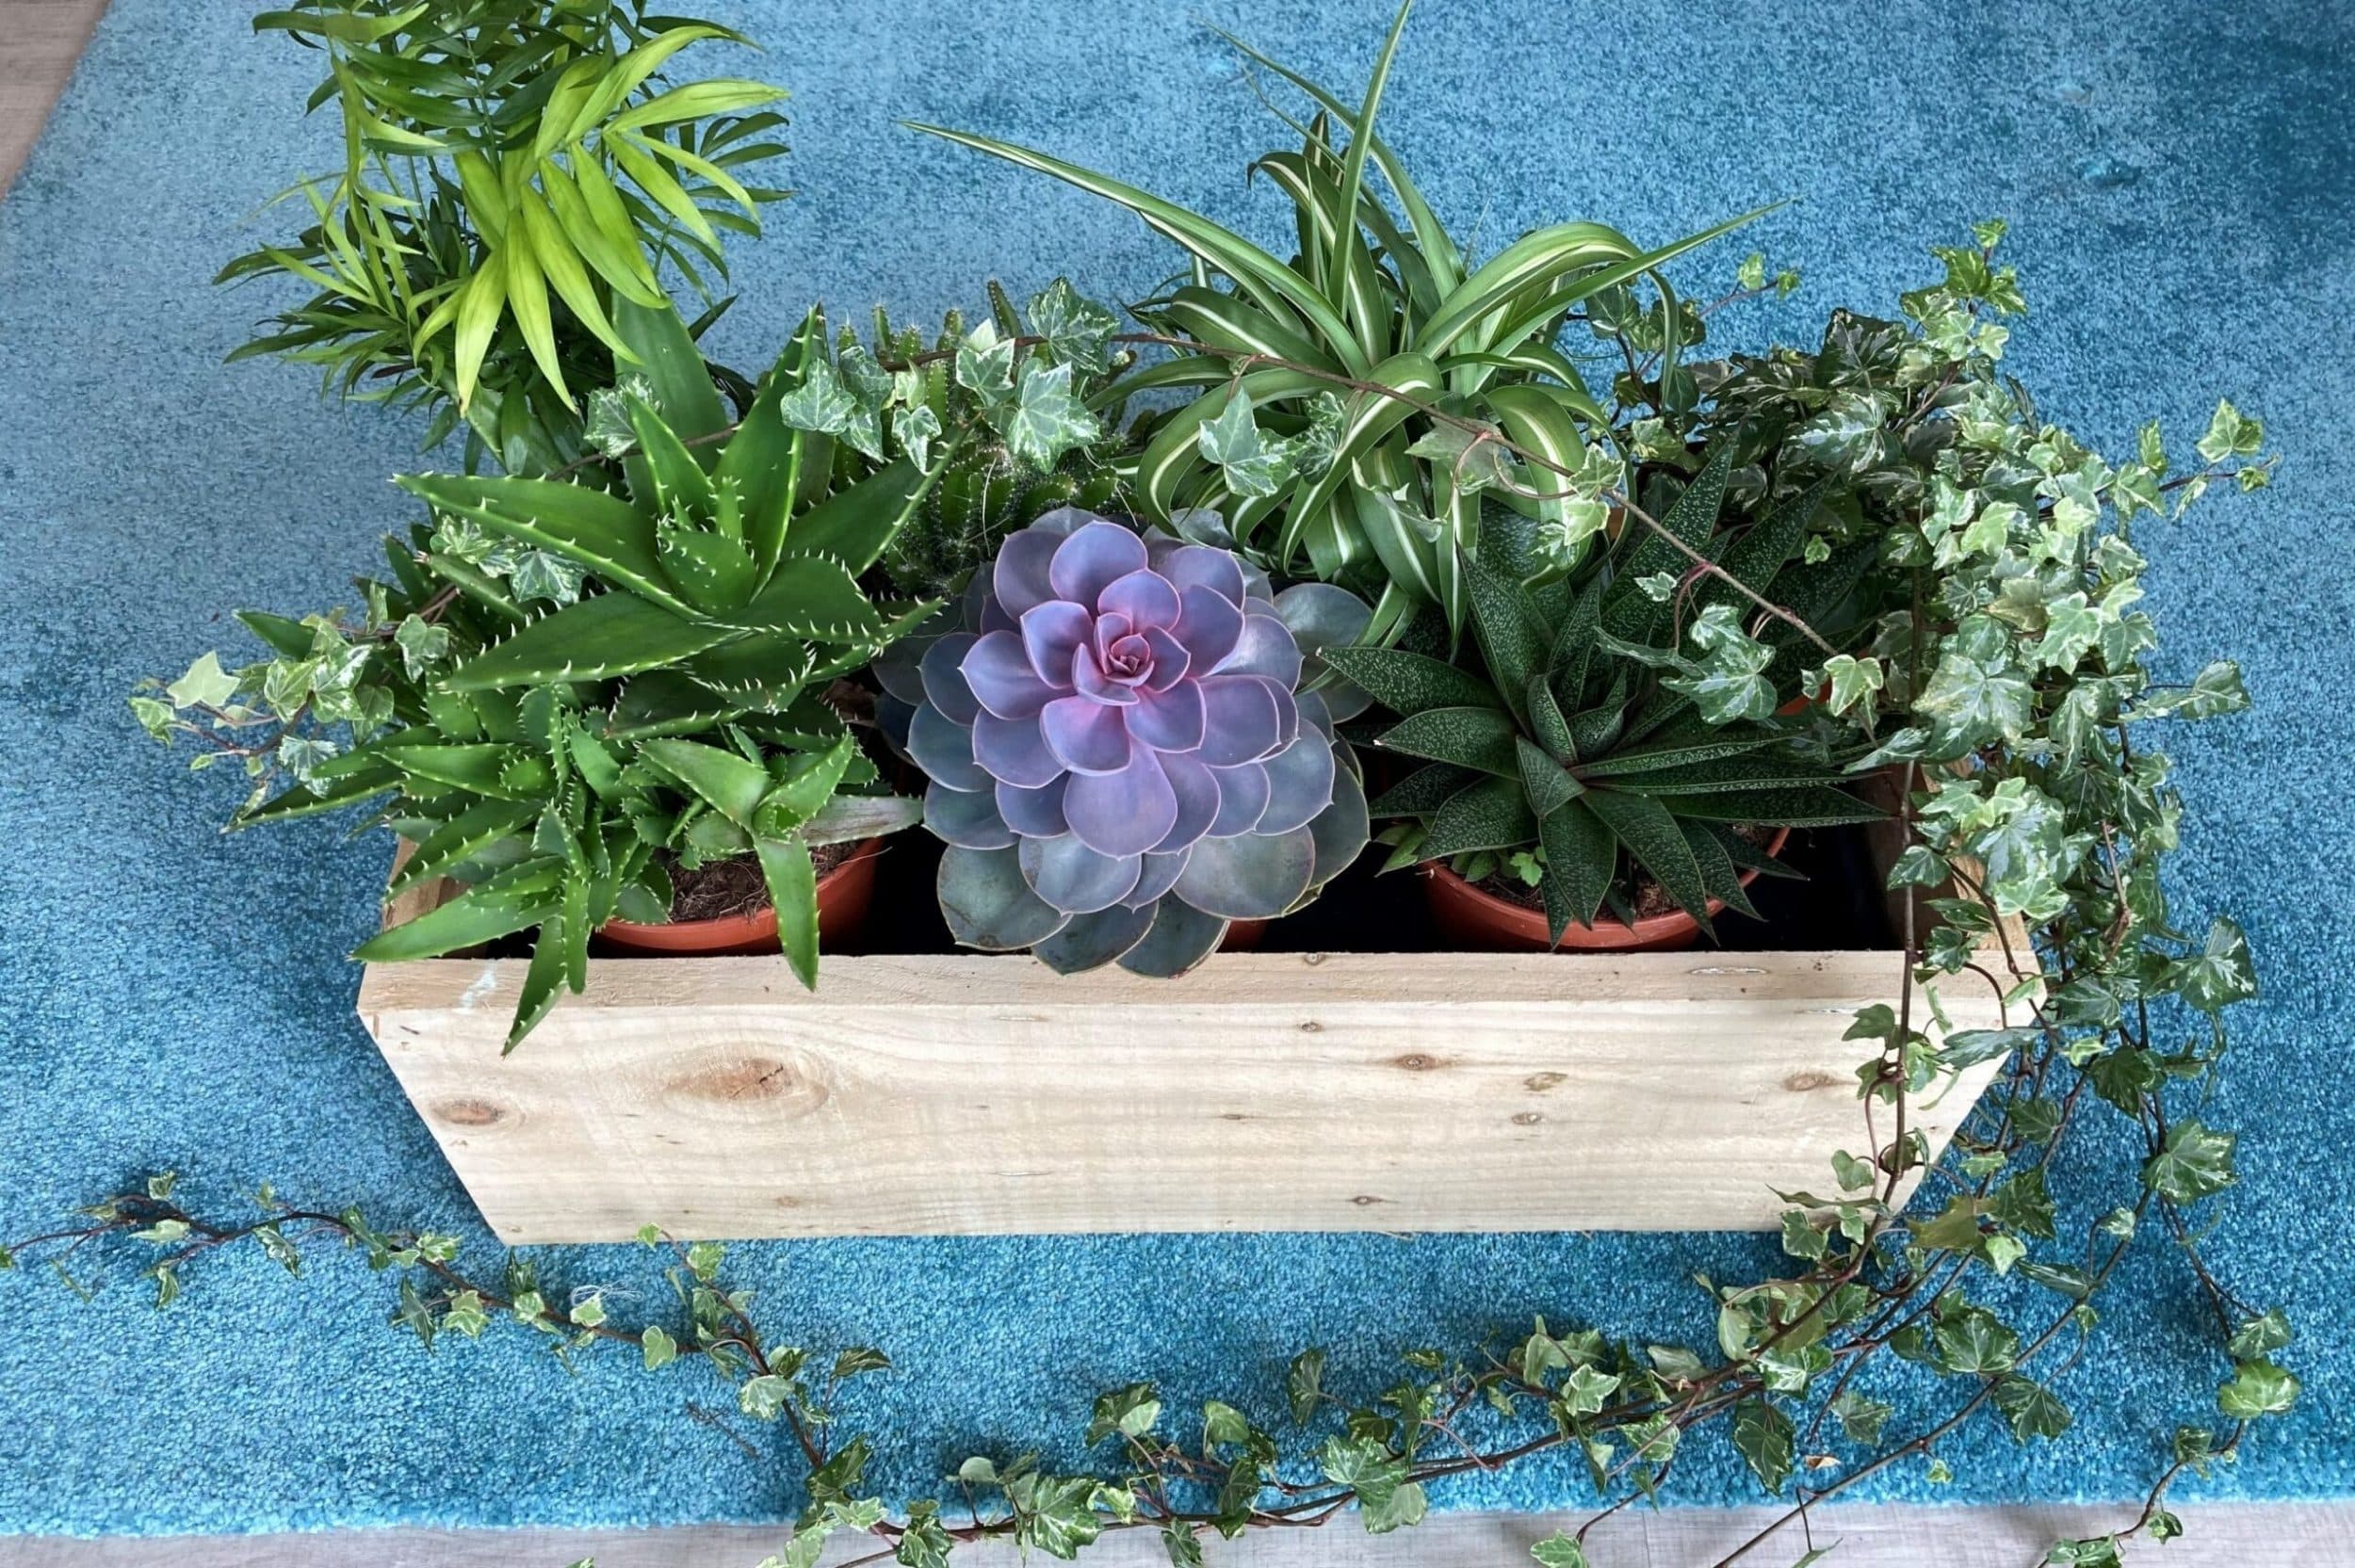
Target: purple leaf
(1198,565)
(1085,736)
(1034,813)
(1088,678)
(1125,812)
(1266,648)
(1243,722)
(971,820)
(945,750)
(1021,577)
(1147,598)
(1160,875)
(1075,878)
(1091,560)
(1169,720)
(1243,800)
(1207,626)
(1014,750)
(997,671)
(1170,661)
(1049,632)
(1300,783)
(944,683)
(1196,789)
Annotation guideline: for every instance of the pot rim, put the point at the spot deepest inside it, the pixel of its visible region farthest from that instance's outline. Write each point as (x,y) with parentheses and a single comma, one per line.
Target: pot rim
(759,925)
(1601,937)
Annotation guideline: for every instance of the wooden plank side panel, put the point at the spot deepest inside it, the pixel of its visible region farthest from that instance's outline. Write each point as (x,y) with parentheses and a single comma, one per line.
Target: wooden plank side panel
(1264,1091)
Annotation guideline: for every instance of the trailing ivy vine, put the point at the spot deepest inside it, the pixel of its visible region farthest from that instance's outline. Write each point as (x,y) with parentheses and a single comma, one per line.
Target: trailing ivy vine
(2004,666)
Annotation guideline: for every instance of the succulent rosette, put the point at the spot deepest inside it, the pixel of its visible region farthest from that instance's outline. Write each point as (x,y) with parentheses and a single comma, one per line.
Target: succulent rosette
(1121,753)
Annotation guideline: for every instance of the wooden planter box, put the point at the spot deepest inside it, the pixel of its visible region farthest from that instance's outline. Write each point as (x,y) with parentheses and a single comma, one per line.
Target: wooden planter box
(923,1095)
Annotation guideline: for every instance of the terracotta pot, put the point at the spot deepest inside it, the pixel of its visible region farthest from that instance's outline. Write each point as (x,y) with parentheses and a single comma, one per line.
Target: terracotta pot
(1242,935)
(1475,920)
(843,895)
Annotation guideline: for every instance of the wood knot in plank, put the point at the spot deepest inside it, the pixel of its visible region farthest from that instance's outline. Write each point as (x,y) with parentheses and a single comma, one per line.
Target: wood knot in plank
(1537,1083)
(1803,1082)
(759,1084)
(1415,1061)
(470,1113)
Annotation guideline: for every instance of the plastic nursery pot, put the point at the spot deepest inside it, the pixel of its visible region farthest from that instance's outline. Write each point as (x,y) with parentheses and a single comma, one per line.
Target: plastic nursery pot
(843,897)
(1469,918)
(1242,935)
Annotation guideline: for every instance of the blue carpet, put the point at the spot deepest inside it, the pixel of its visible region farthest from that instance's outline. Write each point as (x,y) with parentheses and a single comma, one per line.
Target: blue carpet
(2178,180)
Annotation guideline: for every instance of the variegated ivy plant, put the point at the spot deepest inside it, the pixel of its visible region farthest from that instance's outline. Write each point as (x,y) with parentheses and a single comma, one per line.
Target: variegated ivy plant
(1315,431)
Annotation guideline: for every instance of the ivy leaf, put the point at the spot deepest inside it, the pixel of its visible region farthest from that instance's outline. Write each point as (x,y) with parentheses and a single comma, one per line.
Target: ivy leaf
(204,685)
(2193,1164)
(1977,1341)
(1078,331)
(543,574)
(1048,421)
(1763,1436)
(1861,1419)
(764,1397)
(2260,1336)
(1131,1412)
(2098,1551)
(984,365)
(1253,466)
(2031,1408)
(925,1542)
(2257,1388)
(422,644)
(1559,1551)
(1585,1389)
(1304,1381)
(1852,680)
(915,430)
(659,1348)
(2222,974)
(2215,691)
(2231,434)
(819,405)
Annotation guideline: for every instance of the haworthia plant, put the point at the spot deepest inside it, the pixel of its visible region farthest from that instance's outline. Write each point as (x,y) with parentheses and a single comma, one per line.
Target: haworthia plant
(1309,433)
(1607,726)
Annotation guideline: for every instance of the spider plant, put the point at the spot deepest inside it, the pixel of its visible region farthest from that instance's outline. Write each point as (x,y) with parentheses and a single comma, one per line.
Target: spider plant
(1377,318)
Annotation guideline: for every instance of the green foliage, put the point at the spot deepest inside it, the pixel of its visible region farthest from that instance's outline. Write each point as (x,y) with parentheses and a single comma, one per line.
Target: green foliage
(562,692)
(1316,376)
(1018,404)
(1588,737)
(513,169)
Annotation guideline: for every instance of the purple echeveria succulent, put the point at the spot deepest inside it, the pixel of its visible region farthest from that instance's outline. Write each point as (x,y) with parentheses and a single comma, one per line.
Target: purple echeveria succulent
(1122,760)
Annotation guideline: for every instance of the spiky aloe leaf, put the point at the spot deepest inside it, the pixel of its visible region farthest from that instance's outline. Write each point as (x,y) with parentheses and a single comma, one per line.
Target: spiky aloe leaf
(460,839)
(1760,769)
(666,356)
(731,785)
(516,899)
(793,878)
(853,526)
(1719,876)
(808,596)
(614,633)
(603,533)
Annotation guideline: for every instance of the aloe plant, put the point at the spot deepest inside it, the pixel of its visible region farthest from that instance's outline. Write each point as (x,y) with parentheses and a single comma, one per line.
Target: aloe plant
(1617,723)
(730,566)
(1351,481)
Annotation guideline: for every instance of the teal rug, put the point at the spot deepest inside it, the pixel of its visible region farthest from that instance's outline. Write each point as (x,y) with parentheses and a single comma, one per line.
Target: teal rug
(2181,182)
